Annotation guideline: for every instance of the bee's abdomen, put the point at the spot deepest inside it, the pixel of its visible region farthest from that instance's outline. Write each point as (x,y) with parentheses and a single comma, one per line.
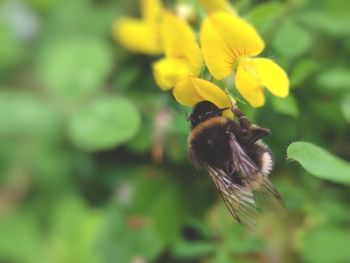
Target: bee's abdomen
(262,157)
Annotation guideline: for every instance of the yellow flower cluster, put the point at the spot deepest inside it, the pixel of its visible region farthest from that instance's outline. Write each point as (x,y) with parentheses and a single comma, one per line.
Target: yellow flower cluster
(228,45)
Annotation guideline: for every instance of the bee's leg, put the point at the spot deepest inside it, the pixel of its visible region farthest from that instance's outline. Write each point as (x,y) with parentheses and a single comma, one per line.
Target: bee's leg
(256,133)
(253,131)
(243,120)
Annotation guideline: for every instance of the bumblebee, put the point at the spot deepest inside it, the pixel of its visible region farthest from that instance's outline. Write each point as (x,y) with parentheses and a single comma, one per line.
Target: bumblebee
(237,161)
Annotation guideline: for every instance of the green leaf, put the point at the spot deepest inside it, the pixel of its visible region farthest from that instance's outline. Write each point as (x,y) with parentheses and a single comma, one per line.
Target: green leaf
(186,249)
(222,256)
(319,162)
(23,113)
(10,48)
(74,231)
(179,124)
(20,240)
(143,140)
(286,105)
(264,16)
(327,244)
(156,207)
(122,242)
(302,71)
(127,75)
(331,212)
(75,67)
(291,39)
(345,106)
(167,214)
(104,123)
(332,23)
(160,199)
(334,79)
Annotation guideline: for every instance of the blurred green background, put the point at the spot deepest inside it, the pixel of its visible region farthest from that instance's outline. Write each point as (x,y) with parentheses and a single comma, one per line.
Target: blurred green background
(93,156)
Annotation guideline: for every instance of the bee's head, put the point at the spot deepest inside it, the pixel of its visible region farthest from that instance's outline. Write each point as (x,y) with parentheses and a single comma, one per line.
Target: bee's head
(202,111)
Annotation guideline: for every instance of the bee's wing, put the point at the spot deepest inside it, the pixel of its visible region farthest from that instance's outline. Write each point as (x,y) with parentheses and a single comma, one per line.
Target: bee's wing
(239,201)
(266,197)
(242,163)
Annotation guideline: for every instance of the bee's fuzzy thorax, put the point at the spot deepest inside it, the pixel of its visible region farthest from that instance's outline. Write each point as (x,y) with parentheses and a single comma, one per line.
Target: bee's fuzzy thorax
(215,121)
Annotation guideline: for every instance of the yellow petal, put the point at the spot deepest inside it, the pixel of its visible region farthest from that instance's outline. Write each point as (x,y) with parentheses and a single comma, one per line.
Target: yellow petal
(249,87)
(224,39)
(272,76)
(217,55)
(167,72)
(152,11)
(137,36)
(212,6)
(210,92)
(180,41)
(190,91)
(185,92)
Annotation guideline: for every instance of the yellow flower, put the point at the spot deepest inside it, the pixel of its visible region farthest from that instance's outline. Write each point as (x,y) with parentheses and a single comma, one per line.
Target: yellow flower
(186,12)
(228,42)
(212,6)
(190,90)
(141,35)
(182,54)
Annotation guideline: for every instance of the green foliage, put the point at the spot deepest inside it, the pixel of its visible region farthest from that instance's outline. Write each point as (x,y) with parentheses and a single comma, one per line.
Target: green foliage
(334,78)
(76,228)
(345,106)
(187,249)
(332,241)
(75,67)
(24,113)
(104,123)
(291,40)
(286,106)
(93,158)
(20,230)
(10,48)
(166,212)
(303,70)
(319,162)
(265,15)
